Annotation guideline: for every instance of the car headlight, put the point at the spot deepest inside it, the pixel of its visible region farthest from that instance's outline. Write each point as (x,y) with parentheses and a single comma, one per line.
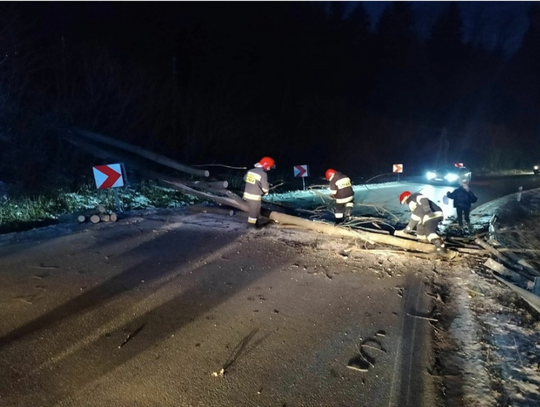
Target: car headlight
(536,167)
(430,175)
(451,177)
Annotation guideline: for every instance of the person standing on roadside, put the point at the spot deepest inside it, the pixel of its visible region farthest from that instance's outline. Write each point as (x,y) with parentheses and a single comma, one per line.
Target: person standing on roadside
(463,199)
(341,190)
(256,186)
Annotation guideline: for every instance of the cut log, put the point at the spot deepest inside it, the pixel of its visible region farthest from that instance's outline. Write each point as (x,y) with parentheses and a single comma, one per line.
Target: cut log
(94,219)
(493,251)
(104,217)
(477,252)
(113,217)
(81,218)
(158,158)
(527,272)
(499,268)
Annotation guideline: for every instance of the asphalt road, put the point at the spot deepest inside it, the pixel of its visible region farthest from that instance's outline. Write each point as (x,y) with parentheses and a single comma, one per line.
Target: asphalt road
(143,312)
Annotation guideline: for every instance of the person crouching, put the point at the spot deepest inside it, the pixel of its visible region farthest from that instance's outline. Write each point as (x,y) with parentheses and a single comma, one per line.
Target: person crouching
(425,217)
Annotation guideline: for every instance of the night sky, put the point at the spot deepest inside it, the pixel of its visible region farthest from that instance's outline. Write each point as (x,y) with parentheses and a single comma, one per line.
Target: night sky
(355,85)
(100,19)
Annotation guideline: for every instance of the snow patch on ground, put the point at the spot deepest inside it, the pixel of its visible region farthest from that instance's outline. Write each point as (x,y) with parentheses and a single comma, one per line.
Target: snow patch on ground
(497,334)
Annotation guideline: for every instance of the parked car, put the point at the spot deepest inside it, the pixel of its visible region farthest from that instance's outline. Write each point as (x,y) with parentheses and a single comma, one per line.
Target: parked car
(536,169)
(449,175)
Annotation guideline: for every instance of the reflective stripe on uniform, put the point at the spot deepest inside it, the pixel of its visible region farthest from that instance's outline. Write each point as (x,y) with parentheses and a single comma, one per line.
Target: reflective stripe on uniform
(415,217)
(333,191)
(338,215)
(253,197)
(252,177)
(343,200)
(349,205)
(343,183)
(435,215)
(433,236)
(252,220)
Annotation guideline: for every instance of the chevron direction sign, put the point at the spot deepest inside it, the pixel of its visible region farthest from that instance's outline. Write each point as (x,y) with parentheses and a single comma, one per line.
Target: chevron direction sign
(301,171)
(397,168)
(109,176)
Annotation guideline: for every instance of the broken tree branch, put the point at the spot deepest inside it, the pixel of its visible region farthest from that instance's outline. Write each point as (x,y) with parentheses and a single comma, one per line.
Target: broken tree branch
(532,299)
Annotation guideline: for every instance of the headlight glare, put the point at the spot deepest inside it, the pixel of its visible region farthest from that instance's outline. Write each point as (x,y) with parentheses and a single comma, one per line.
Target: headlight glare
(451,177)
(431,175)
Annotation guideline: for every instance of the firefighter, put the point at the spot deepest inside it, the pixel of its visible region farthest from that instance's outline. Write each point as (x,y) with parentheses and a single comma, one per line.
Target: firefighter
(425,216)
(341,190)
(463,199)
(256,181)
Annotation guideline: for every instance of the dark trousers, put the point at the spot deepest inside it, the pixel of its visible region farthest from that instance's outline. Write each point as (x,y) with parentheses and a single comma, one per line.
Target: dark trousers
(343,210)
(254,210)
(463,212)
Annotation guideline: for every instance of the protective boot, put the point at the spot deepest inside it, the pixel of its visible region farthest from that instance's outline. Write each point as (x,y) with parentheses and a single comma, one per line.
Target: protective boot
(439,246)
(470,227)
(339,221)
(348,211)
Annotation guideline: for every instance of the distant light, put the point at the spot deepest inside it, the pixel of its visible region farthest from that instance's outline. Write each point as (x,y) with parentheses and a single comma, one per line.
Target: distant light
(451,177)
(431,175)
(536,167)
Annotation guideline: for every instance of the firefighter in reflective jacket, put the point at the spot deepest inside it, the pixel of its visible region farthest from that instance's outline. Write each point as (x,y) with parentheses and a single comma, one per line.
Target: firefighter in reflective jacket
(341,190)
(256,186)
(425,216)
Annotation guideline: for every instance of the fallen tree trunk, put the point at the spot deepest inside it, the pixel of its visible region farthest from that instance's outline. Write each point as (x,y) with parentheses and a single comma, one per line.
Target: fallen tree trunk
(158,158)
(339,231)
(219,185)
(236,202)
(229,201)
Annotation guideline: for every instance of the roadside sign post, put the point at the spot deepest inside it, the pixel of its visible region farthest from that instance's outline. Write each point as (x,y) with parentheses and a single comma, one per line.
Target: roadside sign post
(397,168)
(301,171)
(111,176)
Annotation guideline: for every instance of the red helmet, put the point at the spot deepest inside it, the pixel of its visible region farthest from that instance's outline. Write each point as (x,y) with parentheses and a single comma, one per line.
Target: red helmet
(403,197)
(267,163)
(329,173)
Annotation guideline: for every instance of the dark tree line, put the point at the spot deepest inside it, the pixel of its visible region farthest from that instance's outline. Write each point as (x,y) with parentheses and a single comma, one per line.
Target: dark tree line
(307,83)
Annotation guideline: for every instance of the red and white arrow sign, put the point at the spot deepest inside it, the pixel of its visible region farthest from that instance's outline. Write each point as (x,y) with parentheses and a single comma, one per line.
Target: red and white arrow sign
(459,165)
(108,176)
(397,168)
(301,170)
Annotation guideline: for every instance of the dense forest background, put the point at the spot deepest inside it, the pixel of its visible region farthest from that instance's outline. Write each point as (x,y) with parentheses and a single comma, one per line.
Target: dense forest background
(306,83)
